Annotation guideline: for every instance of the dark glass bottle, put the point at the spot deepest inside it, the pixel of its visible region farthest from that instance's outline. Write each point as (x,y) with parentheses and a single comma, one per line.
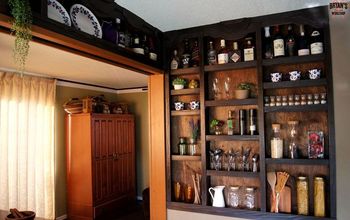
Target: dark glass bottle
(223,53)
(230,123)
(195,54)
(235,54)
(303,48)
(186,56)
(120,33)
(252,122)
(268,44)
(290,42)
(144,45)
(211,54)
(316,44)
(137,48)
(248,49)
(278,43)
(242,121)
(152,49)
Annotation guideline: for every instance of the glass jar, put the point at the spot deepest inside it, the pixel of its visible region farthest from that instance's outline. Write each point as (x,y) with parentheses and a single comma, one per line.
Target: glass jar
(182,146)
(293,146)
(233,197)
(272,100)
(323,98)
(319,197)
(290,99)
(249,198)
(296,99)
(316,98)
(310,99)
(266,101)
(193,147)
(284,100)
(303,99)
(276,142)
(302,196)
(278,100)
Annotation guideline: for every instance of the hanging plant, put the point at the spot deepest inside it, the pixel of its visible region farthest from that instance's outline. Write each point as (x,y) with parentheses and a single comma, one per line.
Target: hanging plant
(21,27)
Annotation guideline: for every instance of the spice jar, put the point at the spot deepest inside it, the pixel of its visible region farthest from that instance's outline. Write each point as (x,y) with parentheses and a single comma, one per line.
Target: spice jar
(272,101)
(302,196)
(182,146)
(249,198)
(316,98)
(319,194)
(193,147)
(233,197)
(303,99)
(276,142)
(266,101)
(296,99)
(310,99)
(290,99)
(278,100)
(284,100)
(323,98)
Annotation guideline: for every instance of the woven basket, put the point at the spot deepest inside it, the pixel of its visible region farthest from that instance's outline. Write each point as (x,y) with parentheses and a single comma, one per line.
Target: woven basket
(29,215)
(73,106)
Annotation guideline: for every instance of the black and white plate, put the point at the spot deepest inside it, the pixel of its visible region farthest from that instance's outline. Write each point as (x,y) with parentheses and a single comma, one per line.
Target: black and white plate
(84,20)
(57,12)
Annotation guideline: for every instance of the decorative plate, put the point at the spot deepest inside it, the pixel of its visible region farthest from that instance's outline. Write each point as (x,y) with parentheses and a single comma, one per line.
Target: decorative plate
(84,20)
(57,12)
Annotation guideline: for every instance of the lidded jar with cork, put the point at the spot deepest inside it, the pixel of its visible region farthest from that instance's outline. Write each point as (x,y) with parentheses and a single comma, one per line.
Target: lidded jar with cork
(276,142)
(293,146)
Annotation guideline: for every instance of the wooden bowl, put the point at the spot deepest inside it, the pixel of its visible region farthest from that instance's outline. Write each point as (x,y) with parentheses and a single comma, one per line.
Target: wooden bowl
(29,215)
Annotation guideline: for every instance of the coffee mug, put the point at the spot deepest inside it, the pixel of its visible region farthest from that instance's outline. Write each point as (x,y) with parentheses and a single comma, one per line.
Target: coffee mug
(194,105)
(314,73)
(294,75)
(179,106)
(276,77)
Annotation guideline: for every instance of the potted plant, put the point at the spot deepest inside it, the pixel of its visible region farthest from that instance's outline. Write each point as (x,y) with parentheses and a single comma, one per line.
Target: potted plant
(193,146)
(216,126)
(242,91)
(179,83)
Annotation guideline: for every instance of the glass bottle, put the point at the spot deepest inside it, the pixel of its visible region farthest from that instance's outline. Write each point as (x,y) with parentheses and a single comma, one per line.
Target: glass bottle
(230,123)
(195,54)
(152,49)
(316,45)
(223,53)
(242,121)
(319,197)
(249,198)
(186,56)
(235,55)
(276,142)
(233,197)
(120,33)
(182,146)
(303,48)
(144,45)
(278,43)
(248,50)
(290,42)
(268,44)
(137,48)
(293,146)
(211,54)
(175,61)
(302,196)
(227,87)
(252,122)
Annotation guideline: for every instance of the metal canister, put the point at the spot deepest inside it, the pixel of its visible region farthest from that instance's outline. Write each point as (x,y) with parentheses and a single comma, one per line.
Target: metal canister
(319,197)
(302,196)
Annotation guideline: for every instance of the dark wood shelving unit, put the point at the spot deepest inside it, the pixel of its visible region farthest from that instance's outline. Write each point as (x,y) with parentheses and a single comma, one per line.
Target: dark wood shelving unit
(185,92)
(185,71)
(232,137)
(321,115)
(233,173)
(230,102)
(298,161)
(295,84)
(185,158)
(296,108)
(294,60)
(230,66)
(185,112)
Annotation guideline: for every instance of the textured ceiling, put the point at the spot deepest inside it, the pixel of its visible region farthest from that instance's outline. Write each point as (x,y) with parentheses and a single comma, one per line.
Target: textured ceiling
(169,15)
(57,63)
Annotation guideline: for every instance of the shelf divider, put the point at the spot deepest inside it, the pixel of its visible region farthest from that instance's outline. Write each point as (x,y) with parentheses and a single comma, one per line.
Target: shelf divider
(233,173)
(231,102)
(297,161)
(294,84)
(297,108)
(294,60)
(185,158)
(185,71)
(185,112)
(232,137)
(185,92)
(230,66)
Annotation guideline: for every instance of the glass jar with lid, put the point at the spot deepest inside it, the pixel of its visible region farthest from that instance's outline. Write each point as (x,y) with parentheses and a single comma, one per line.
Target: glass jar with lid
(293,145)
(302,196)
(233,197)
(182,146)
(249,201)
(276,142)
(319,197)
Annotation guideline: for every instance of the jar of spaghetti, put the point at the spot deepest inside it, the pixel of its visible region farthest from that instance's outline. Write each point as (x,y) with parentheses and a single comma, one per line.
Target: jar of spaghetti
(319,194)
(302,196)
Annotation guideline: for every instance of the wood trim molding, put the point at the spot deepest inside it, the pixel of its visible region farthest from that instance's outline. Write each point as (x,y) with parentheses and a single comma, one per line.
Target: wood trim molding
(157,147)
(63,42)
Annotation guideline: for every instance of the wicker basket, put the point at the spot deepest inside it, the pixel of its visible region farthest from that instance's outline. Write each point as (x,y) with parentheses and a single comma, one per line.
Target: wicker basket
(73,106)
(29,215)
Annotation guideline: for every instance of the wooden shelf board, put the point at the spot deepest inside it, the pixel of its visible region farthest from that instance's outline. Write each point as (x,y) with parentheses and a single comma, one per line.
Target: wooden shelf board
(231,102)
(185,71)
(233,173)
(293,60)
(297,108)
(294,84)
(185,112)
(230,66)
(185,92)
(185,157)
(232,137)
(297,161)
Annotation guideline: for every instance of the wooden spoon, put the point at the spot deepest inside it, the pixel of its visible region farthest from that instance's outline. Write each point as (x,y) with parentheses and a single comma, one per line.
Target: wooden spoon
(271,179)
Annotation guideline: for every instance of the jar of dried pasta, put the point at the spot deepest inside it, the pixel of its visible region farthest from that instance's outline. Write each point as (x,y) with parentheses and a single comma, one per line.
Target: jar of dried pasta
(319,194)
(302,196)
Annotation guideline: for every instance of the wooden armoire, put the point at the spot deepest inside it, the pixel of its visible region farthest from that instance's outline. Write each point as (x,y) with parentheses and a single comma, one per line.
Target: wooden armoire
(100,164)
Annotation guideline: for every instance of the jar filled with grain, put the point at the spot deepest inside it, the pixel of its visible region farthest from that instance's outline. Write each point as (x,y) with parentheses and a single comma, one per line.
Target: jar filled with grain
(302,196)
(319,194)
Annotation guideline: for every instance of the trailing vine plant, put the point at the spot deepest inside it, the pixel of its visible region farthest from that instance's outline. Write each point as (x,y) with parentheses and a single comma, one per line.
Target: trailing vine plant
(21,27)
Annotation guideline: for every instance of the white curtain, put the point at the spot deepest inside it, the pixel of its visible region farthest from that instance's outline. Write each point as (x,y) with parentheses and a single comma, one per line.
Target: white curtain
(27,144)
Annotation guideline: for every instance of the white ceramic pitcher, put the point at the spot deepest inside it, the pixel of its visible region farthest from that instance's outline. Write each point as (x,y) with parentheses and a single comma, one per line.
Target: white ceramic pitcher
(218,197)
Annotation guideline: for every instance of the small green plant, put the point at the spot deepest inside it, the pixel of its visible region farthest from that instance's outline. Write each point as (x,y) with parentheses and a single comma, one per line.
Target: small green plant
(21,27)
(179,81)
(244,86)
(194,128)
(215,123)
